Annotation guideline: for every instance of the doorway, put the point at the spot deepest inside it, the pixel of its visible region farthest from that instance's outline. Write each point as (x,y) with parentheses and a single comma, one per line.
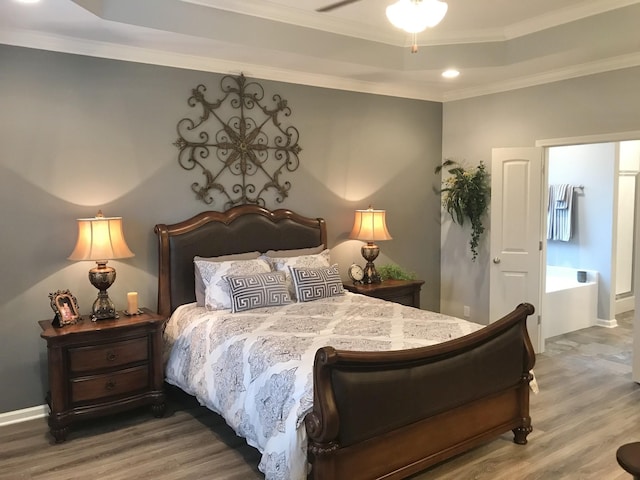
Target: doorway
(589,254)
(634,262)
(521,162)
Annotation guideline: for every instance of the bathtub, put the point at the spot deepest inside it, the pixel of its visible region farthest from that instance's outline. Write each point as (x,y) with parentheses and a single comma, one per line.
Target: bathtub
(569,305)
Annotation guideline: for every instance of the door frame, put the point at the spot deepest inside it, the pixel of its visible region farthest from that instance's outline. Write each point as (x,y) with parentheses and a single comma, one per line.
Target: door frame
(602,138)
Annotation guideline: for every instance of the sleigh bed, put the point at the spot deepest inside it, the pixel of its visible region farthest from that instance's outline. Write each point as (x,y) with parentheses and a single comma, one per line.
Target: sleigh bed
(372,414)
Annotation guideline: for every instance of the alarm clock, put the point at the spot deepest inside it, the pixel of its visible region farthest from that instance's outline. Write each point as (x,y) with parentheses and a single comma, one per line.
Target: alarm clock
(356,273)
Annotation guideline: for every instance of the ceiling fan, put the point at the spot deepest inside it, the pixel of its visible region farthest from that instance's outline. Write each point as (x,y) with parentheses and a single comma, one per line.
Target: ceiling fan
(412,16)
(335,5)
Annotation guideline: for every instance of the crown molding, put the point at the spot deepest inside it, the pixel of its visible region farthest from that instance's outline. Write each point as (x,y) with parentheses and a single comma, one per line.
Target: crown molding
(585,69)
(564,16)
(32,39)
(62,44)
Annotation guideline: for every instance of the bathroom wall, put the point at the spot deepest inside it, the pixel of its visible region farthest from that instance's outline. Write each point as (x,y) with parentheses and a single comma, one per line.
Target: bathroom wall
(591,246)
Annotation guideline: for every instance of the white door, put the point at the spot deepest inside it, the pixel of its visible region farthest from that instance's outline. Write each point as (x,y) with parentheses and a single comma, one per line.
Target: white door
(516,234)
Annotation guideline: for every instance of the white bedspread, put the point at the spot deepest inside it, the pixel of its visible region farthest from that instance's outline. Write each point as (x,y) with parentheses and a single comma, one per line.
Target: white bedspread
(255,368)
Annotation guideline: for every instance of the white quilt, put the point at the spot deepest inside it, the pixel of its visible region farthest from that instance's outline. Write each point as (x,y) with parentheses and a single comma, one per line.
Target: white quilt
(255,368)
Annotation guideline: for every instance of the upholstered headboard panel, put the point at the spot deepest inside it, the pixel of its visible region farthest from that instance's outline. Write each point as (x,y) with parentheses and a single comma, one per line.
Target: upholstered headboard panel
(241,229)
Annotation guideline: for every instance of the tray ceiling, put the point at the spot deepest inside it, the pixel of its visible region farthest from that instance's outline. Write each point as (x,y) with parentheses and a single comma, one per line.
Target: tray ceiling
(497,45)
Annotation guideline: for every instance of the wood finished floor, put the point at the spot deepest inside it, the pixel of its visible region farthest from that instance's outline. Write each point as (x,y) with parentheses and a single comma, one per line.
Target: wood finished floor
(586,408)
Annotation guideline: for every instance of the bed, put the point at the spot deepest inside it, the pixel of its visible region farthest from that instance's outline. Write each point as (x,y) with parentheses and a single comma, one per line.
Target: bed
(372,414)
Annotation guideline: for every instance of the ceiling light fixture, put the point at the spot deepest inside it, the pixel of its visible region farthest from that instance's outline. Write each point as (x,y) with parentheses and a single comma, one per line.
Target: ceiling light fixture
(414,16)
(451,73)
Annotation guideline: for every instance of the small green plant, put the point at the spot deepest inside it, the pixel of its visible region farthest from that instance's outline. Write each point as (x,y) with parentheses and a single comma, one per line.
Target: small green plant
(465,194)
(395,272)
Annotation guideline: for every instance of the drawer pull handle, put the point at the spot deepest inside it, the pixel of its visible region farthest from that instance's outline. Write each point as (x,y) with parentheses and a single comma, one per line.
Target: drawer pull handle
(110,385)
(111,355)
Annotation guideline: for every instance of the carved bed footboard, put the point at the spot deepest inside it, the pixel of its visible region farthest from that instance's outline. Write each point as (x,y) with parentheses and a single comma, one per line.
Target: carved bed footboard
(391,414)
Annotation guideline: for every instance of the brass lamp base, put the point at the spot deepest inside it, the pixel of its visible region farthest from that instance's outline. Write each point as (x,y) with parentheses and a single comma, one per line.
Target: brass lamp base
(370,252)
(102,277)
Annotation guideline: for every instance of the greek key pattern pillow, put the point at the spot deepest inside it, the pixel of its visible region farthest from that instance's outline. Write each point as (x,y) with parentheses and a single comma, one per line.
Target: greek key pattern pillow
(283,264)
(259,290)
(315,283)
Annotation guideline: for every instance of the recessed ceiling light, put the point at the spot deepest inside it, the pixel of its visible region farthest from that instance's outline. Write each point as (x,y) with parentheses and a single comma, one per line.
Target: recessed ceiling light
(27,1)
(451,73)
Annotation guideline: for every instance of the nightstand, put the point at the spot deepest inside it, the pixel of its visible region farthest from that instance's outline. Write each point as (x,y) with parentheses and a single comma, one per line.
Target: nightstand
(103,367)
(406,292)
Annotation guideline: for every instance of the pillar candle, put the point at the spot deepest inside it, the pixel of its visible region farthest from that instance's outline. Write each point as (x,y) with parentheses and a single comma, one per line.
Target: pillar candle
(132,302)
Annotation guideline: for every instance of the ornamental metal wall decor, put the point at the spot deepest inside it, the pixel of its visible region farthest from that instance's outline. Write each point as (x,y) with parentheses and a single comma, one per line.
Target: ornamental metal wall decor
(251,149)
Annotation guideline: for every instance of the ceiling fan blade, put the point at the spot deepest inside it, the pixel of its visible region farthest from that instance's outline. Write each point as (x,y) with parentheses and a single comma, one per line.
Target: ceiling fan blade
(335,5)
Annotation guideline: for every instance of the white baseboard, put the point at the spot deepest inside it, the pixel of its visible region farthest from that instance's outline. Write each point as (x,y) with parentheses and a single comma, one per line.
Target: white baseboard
(601,322)
(17,416)
(625,304)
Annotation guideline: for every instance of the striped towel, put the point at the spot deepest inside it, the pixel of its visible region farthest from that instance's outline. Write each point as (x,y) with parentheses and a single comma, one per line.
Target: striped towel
(564,193)
(560,212)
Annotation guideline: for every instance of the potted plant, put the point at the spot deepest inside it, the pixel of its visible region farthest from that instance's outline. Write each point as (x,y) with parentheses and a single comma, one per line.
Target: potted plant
(465,195)
(395,272)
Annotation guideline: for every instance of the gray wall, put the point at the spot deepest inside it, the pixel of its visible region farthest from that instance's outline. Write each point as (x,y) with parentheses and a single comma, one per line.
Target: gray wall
(597,104)
(80,133)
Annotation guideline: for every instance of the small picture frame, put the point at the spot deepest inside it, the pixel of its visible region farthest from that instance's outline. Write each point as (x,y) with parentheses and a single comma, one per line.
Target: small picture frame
(65,306)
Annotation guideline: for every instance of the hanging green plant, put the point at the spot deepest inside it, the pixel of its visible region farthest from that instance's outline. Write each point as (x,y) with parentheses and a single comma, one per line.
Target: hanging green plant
(465,195)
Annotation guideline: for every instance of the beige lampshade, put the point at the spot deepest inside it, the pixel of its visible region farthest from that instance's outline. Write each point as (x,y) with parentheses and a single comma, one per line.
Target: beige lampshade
(100,238)
(370,225)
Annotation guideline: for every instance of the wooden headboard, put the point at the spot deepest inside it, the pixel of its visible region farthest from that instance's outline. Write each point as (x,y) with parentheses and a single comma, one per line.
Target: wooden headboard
(245,228)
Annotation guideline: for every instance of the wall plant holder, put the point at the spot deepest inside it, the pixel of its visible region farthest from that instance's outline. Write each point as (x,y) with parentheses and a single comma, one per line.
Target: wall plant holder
(238,143)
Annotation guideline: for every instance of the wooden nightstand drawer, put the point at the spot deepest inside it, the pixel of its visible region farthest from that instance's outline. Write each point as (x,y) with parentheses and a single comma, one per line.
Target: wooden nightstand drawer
(104,367)
(84,359)
(95,387)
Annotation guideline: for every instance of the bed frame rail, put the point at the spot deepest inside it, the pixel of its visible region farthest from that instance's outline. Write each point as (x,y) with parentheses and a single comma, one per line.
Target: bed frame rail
(390,414)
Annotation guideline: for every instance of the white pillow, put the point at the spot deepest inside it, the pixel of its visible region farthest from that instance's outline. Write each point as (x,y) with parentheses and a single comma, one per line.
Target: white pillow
(199,284)
(321,259)
(217,294)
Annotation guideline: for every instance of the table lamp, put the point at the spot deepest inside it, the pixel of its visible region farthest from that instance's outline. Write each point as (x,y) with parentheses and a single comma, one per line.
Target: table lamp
(101,239)
(370,225)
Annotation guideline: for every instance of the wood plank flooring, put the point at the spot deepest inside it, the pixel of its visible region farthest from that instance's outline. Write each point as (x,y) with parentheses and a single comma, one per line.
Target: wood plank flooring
(587,407)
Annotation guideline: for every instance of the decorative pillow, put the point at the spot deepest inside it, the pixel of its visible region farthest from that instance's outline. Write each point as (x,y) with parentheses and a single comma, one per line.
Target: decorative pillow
(296,252)
(259,290)
(302,261)
(200,286)
(216,293)
(316,283)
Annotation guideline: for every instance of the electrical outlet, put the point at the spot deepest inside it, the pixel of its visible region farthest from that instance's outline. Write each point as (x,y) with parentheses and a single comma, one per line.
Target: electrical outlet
(467,311)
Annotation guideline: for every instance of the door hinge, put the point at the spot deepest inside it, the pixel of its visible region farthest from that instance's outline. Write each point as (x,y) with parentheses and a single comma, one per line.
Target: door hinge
(540,245)
(539,320)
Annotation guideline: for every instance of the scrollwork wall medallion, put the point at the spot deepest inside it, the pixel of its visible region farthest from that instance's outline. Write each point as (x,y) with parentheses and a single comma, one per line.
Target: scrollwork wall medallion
(239,144)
